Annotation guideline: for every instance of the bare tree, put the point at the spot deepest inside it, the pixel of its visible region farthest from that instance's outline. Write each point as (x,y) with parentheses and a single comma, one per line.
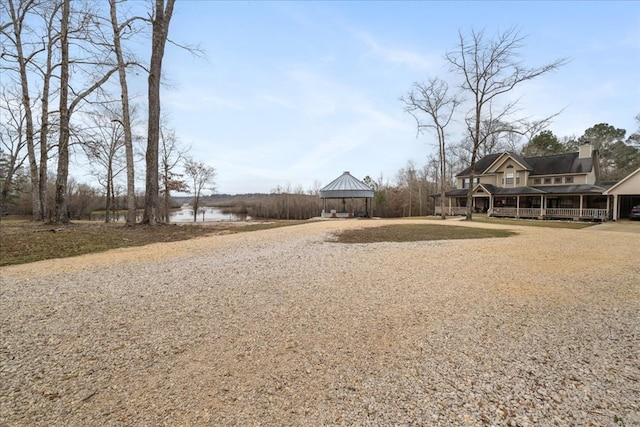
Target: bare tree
(13,30)
(63,142)
(12,144)
(160,30)
(491,68)
(202,177)
(99,70)
(103,145)
(171,155)
(120,31)
(433,108)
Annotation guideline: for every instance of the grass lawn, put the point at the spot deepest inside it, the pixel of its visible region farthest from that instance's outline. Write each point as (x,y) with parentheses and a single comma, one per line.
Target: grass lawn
(537,223)
(416,232)
(23,241)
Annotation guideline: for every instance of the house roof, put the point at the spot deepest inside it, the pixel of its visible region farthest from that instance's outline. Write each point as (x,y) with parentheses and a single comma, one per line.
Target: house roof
(555,164)
(481,165)
(531,191)
(560,164)
(346,186)
(619,184)
(504,157)
(571,189)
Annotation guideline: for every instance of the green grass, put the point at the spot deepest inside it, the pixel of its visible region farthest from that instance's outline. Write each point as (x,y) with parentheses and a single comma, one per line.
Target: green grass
(417,232)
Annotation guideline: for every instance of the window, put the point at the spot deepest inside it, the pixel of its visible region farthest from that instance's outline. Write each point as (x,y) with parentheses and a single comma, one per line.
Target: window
(509,178)
(517,177)
(537,181)
(557,180)
(465,182)
(568,180)
(547,180)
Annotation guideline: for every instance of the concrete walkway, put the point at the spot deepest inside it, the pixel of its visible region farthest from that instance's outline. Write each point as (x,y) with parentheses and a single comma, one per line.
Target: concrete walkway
(622,225)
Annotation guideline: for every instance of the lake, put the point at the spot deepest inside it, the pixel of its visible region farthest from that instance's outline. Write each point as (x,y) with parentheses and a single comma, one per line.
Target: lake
(207,214)
(185,214)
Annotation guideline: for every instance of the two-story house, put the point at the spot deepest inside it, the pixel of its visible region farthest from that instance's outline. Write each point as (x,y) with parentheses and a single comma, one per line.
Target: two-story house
(555,186)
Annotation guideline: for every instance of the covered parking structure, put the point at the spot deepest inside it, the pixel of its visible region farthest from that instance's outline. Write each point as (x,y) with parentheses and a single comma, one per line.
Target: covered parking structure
(625,195)
(346,187)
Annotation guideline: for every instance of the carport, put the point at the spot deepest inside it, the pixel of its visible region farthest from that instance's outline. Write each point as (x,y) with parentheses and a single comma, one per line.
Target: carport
(625,194)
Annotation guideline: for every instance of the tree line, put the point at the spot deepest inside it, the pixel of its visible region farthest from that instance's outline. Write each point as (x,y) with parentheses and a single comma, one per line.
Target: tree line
(59,99)
(487,70)
(66,69)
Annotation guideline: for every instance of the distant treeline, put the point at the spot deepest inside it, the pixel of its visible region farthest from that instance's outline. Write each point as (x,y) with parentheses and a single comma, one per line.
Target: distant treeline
(388,202)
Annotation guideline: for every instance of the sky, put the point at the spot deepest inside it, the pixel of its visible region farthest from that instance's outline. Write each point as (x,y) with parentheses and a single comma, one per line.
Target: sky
(291,94)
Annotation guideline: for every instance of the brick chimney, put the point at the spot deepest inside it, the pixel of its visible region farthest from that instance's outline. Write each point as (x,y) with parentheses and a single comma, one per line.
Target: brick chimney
(585,151)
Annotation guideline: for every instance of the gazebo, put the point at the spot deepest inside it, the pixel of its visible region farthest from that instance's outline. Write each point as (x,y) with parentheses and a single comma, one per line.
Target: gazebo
(346,187)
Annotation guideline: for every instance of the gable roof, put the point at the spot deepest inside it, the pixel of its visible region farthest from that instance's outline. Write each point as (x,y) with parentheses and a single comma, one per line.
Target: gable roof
(345,186)
(555,164)
(481,164)
(504,157)
(622,183)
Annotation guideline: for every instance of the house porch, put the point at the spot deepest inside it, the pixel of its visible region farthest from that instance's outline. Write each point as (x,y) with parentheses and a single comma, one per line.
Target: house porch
(574,207)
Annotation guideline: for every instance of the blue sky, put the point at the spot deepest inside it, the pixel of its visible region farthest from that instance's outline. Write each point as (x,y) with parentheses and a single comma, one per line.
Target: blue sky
(295,93)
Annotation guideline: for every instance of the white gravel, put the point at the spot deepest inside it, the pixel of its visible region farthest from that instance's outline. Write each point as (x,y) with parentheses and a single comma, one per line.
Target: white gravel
(281,327)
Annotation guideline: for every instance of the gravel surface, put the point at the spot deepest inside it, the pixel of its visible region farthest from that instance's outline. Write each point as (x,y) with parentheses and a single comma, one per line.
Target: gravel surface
(283,327)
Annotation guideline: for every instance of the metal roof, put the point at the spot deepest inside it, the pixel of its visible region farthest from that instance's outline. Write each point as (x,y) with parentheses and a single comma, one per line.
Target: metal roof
(346,186)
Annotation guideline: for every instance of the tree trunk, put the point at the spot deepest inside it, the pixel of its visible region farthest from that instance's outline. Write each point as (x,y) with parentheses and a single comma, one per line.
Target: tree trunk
(443,170)
(109,201)
(60,215)
(18,23)
(126,118)
(44,126)
(160,26)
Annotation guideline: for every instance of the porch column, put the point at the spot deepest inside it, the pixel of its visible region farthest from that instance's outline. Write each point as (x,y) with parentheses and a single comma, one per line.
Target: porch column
(542,210)
(517,206)
(581,206)
(490,211)
(450,205)
(615,207)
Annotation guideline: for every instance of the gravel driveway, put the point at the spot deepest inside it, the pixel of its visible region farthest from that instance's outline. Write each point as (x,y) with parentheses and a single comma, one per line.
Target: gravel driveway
(282,327)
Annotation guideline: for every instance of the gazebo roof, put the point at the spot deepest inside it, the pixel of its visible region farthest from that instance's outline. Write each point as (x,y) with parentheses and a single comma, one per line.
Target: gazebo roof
(346,186)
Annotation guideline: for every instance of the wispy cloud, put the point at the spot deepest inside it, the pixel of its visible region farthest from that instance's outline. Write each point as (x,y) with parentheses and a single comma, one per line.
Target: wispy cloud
(277,100)
(393,54)
(197,99)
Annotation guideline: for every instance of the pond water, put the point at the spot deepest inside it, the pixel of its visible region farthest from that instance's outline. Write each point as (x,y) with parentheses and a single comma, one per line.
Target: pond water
(207,214)
(185,214)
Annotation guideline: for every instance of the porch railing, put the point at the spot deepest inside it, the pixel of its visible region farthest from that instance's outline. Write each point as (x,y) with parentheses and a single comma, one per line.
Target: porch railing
(586,213)
(515,212)
(559,213)
(563,213)
(454,210)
